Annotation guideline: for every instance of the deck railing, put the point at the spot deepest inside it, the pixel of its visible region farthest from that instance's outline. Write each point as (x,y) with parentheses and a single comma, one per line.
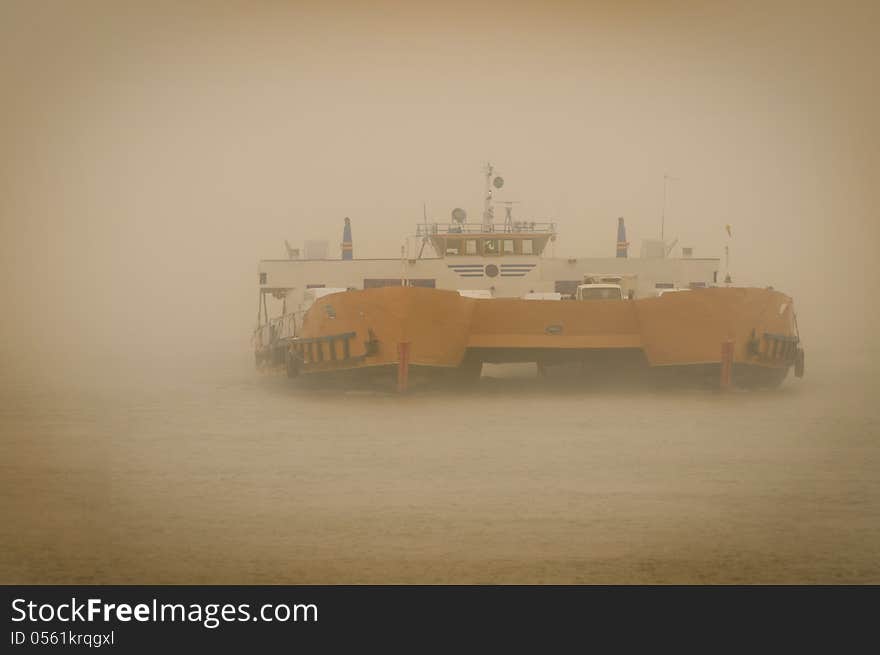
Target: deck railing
(280,327)
(431,229)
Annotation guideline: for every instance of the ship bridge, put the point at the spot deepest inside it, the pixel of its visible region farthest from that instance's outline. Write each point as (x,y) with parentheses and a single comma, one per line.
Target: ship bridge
(488,239)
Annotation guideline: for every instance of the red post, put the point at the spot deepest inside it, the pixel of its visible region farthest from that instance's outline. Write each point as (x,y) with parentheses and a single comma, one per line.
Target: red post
(403,366)
(726,363)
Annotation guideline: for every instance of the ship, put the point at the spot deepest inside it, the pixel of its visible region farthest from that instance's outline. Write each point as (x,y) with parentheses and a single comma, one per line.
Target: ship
(489,291)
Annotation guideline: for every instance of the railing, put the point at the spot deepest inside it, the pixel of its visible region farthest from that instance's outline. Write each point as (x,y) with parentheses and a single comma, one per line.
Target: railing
(280,327)
(431,229)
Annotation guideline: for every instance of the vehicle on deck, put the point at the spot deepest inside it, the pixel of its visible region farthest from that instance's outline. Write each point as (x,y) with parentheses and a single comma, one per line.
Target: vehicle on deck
(661,292)
(311,295)
(542,295)
(599,292)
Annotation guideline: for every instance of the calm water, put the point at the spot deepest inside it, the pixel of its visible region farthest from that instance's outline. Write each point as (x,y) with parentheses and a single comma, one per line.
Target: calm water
(234,477)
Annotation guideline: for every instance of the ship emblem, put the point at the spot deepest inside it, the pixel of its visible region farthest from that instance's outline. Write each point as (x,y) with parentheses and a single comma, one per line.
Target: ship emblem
(491,270)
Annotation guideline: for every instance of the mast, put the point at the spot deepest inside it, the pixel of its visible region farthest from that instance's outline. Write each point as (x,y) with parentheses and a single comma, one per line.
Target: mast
(727,279)
(663,211)
(488,209)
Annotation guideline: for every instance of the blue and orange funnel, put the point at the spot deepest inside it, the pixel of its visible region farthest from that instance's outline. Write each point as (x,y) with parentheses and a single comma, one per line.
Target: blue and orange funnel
(622,245)
(347,248)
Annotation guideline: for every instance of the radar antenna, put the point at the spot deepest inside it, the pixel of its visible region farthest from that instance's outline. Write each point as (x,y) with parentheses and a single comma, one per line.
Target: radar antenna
(425,236)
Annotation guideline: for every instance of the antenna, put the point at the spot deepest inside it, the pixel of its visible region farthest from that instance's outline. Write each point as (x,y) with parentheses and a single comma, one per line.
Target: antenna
(488,210)
(727,279)
(425,235)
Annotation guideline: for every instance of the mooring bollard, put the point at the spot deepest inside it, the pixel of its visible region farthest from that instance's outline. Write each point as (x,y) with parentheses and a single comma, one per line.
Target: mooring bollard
(726,363)
(403,366)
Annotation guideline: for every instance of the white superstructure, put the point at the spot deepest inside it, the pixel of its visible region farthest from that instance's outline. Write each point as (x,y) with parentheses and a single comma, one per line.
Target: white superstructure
(505,275)
(489,259)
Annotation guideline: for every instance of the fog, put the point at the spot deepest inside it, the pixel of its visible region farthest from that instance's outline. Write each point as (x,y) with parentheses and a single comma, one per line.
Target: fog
(152,156)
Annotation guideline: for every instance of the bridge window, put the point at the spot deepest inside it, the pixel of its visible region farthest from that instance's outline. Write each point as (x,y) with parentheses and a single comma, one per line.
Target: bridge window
(262,278)
(507,246)
(430,284)
(664,285)
(490,247)
(470,247)
(453,246)
(374,283)
(527,246)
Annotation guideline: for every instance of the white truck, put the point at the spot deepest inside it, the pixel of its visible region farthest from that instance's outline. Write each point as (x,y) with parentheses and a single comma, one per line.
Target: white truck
(599,292)
(607,286)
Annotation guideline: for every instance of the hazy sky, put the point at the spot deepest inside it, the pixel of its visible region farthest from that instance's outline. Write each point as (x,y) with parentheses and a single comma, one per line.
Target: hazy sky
(152,156)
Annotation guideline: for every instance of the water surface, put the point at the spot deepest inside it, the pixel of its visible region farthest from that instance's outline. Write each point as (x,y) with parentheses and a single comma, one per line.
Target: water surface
(233,477)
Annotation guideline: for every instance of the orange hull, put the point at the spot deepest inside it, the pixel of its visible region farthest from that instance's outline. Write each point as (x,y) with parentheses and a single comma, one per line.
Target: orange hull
(359,329)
